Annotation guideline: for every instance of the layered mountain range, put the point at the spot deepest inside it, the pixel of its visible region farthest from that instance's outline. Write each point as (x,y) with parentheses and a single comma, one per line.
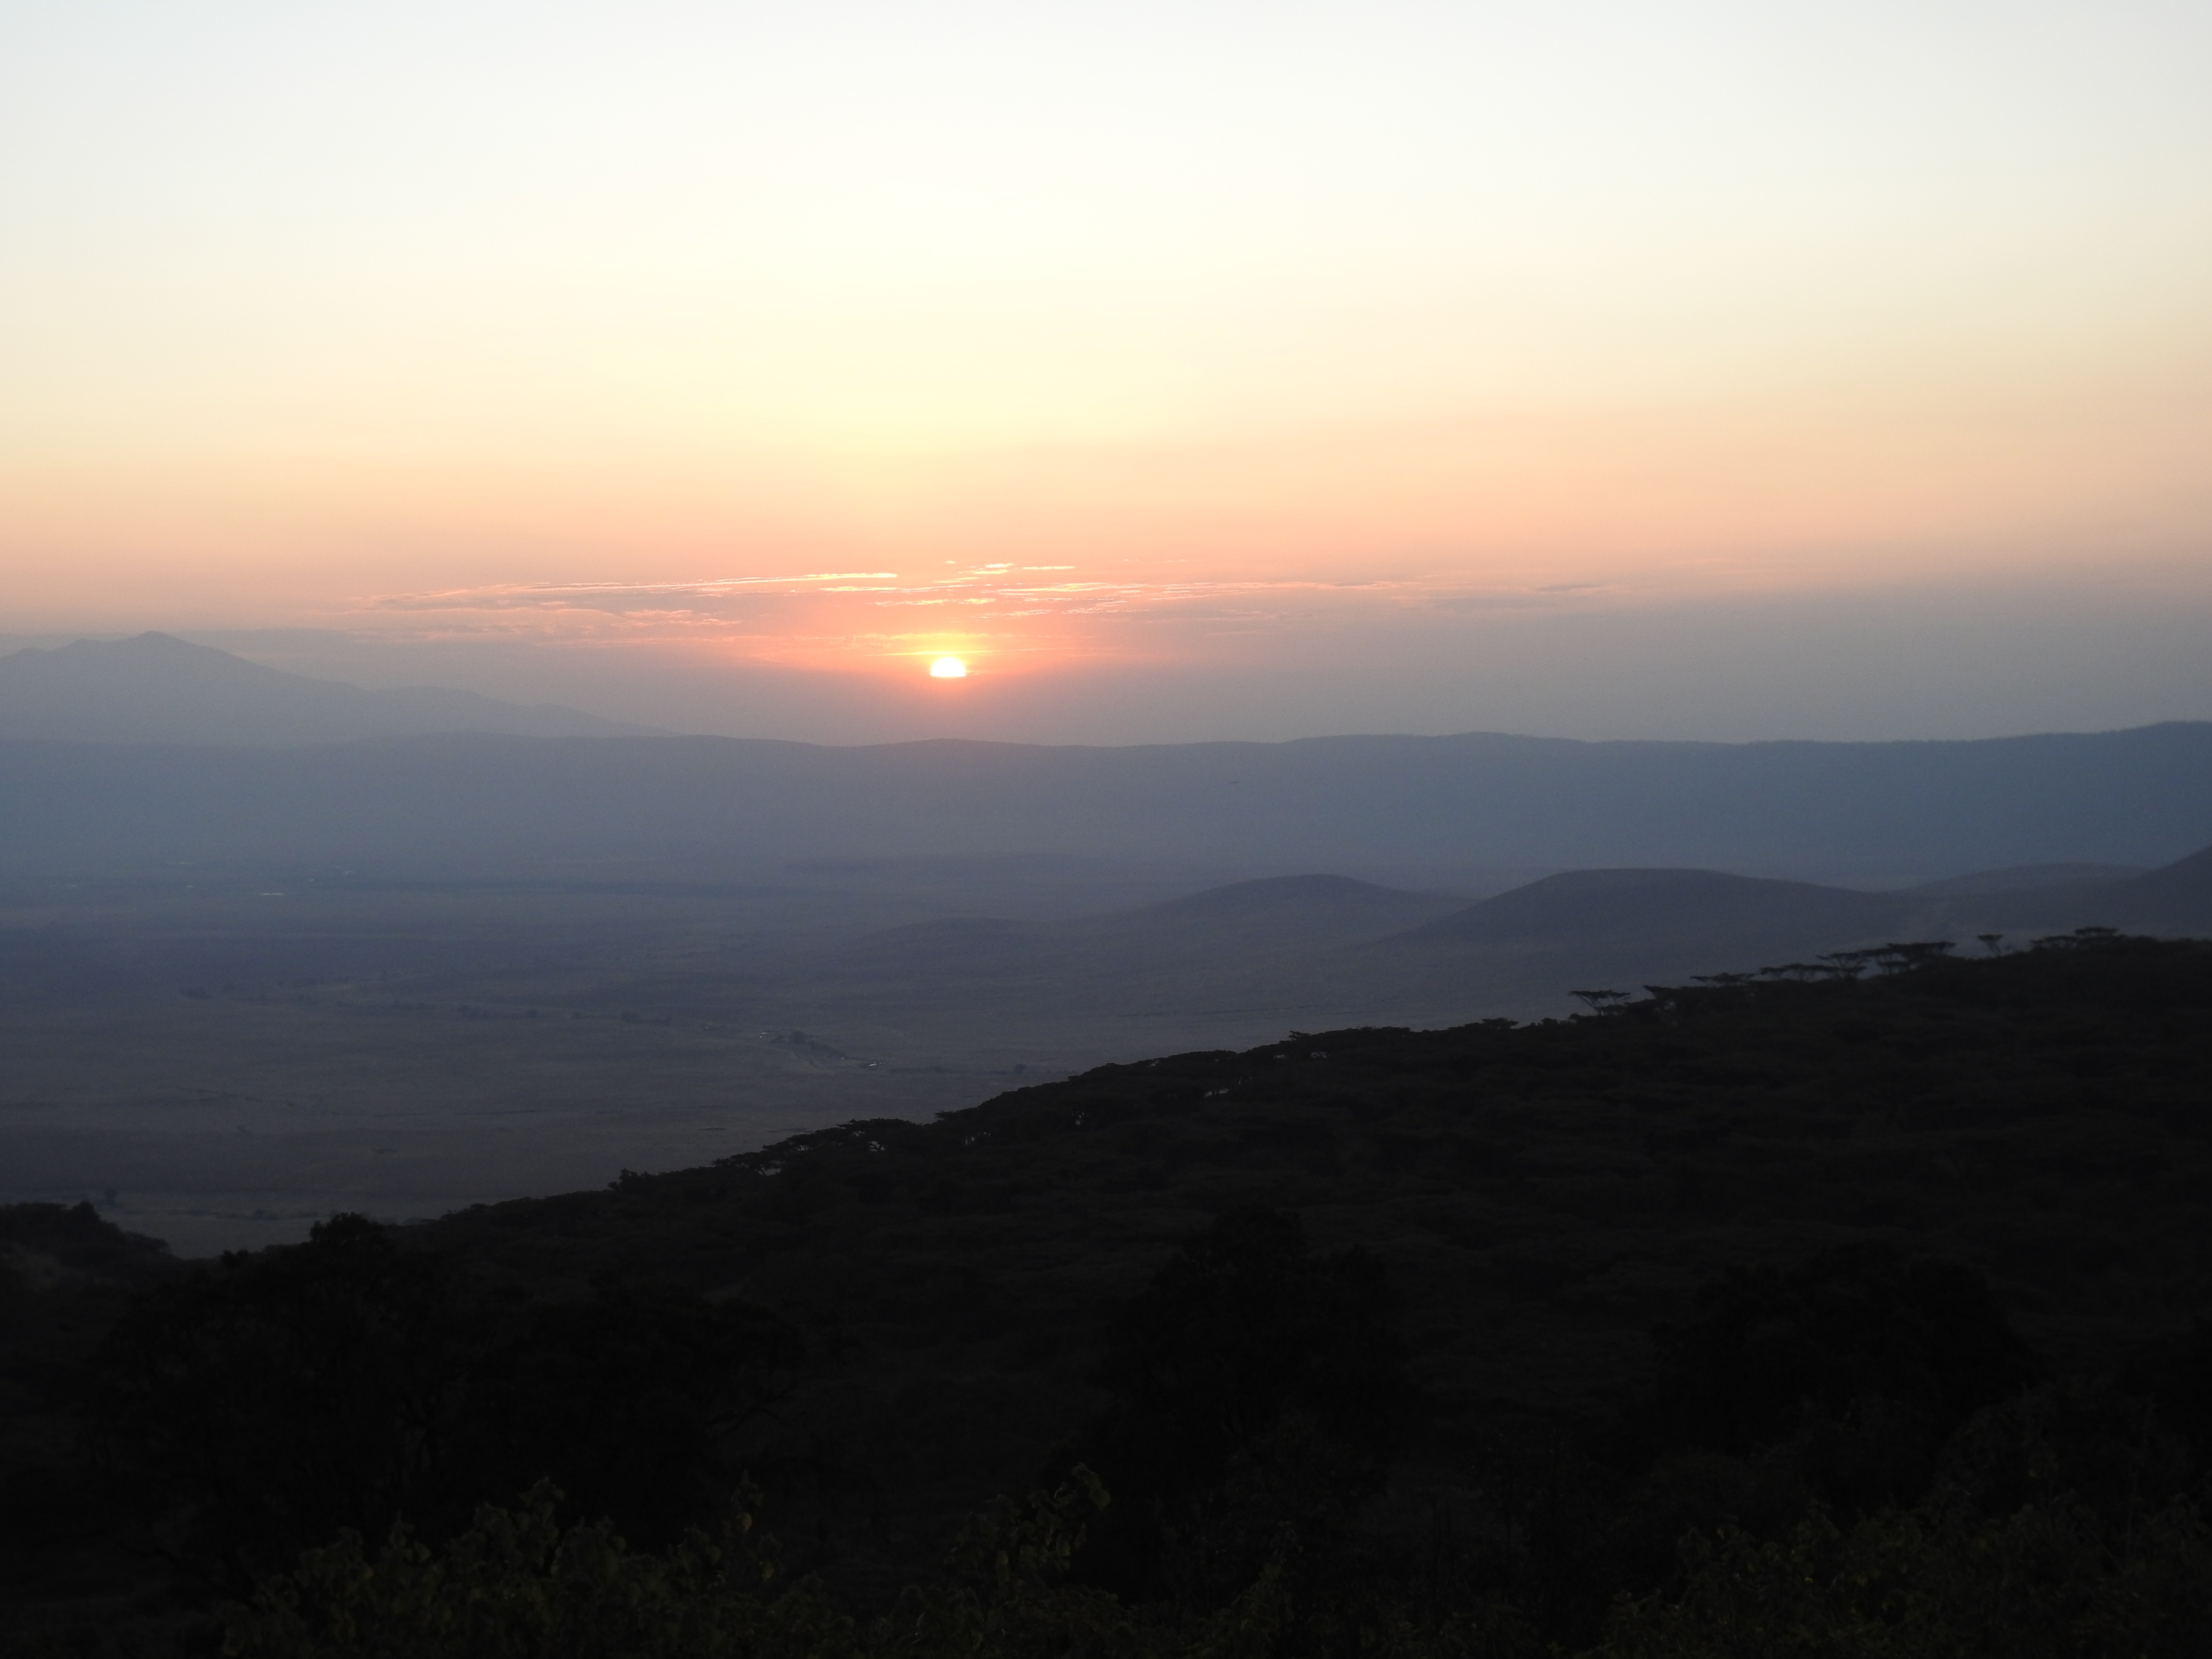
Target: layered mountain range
(153,750)
(1321,948)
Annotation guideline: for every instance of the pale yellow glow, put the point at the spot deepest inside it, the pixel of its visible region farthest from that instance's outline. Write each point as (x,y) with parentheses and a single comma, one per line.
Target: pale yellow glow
(948,668)
(1062,319)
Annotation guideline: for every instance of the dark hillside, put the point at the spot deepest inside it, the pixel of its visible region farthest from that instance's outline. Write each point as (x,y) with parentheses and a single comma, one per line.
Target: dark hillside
(66,1277)
(1712,1254)
(1542,1196)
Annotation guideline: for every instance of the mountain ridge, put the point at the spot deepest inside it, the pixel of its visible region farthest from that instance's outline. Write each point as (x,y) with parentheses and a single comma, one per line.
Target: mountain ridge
(1871,814)
(156,688)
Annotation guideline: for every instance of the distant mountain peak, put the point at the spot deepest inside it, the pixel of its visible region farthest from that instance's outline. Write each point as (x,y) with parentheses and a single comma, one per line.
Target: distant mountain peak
(156,688)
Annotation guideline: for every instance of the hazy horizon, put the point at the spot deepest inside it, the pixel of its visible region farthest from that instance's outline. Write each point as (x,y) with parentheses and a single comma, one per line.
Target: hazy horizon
(1962,665)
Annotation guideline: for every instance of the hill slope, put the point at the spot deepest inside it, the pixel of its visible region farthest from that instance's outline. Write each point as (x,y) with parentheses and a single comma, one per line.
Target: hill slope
(1542,1196)
(2176,898)
(158,688)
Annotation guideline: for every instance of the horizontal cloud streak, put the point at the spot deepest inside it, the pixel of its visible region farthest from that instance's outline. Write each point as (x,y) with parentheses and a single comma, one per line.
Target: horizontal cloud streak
(1941,659)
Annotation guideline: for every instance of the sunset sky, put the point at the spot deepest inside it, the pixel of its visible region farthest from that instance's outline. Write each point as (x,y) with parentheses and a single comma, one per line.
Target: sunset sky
(1192,370)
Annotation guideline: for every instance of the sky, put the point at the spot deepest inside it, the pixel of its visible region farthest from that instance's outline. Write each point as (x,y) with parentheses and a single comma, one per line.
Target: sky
(1200,370)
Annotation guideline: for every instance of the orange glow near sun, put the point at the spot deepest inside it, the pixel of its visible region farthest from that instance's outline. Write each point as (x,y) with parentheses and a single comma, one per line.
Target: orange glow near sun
(948,668)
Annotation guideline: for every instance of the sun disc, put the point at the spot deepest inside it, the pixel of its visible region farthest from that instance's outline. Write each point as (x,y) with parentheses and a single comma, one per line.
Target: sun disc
(948,668)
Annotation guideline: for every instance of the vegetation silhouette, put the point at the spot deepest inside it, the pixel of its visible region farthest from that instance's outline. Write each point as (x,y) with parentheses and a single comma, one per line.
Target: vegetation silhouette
(350,1382)
(1867,1359)
(1256,1387)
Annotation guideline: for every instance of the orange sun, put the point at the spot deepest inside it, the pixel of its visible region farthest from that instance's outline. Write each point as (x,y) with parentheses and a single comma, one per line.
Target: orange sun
(948,668)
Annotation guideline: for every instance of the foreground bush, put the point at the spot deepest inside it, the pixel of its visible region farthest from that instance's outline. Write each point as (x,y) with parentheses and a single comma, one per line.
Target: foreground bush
(2054,1581)
(518,1585)
(1939,1583)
